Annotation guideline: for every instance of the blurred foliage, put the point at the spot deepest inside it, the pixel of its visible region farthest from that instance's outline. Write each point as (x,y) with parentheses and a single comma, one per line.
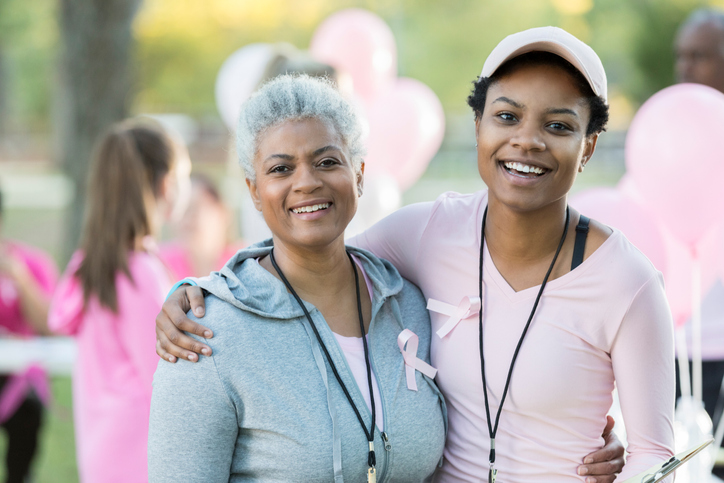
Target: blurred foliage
(182,43)
(28,40)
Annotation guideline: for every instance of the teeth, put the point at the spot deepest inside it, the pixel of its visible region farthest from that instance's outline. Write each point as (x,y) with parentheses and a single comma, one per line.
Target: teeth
(523,168)
(311,208)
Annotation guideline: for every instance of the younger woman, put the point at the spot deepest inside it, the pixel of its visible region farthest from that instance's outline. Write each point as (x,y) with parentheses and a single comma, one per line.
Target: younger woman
(109,295)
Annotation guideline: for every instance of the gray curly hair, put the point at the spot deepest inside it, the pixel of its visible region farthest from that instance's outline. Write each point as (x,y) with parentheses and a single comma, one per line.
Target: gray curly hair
(294,97)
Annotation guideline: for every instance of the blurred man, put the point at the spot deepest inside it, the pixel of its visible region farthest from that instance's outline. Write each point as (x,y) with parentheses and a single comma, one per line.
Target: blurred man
(699,49)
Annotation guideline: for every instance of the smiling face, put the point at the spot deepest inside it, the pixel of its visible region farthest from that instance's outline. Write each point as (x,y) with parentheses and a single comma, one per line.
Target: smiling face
(532,137)
(306,186)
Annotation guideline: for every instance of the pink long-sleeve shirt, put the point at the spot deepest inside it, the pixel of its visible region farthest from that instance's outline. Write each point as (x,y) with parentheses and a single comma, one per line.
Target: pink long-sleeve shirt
(114,370)
(605,322)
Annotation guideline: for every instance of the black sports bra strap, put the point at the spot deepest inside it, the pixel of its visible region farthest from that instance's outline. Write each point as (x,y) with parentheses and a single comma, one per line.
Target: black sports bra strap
(580,244)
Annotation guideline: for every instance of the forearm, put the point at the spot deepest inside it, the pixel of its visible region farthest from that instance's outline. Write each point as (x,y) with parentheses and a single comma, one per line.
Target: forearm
(34,303)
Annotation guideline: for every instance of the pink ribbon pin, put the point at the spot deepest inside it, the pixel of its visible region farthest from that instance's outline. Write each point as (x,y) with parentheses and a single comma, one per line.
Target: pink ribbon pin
(17,387)
(467,307)
(412,362)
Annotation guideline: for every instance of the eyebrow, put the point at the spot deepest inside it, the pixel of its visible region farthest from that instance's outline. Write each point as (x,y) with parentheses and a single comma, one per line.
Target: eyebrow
(509,101)
(561,110)
(324,149)
(317,152)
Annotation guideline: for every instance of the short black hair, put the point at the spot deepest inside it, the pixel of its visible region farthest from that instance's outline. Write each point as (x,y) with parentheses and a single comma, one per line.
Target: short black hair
(597,105)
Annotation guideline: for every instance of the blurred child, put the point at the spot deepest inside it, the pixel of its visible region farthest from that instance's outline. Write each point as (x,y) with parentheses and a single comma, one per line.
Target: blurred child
(202,243)
(109,296)
(27,279)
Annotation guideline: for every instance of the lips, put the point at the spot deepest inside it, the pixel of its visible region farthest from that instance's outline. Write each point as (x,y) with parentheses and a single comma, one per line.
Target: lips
(311,208)
(523,170)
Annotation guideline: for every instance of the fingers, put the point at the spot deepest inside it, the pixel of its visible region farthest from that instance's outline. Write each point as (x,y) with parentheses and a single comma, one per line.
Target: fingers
(161,352)
(610,423)
(603,465)
(172,342)
(196,299)
(602,472)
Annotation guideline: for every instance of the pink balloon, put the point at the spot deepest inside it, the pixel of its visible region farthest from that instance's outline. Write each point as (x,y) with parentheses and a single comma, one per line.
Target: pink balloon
(673,155)
(620,211)
(360,43)
(407,125)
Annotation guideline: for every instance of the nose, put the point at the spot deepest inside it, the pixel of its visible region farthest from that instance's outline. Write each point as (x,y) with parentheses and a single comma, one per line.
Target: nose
(528,137)
(307,179)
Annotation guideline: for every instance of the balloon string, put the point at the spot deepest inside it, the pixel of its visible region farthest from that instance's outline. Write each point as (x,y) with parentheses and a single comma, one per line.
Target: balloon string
(696,328)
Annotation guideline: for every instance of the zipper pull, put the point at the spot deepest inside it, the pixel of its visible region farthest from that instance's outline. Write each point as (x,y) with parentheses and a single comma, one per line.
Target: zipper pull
(386,440)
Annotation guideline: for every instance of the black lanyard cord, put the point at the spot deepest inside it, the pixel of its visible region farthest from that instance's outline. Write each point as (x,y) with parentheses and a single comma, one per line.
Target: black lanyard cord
(494,430)
(371,461)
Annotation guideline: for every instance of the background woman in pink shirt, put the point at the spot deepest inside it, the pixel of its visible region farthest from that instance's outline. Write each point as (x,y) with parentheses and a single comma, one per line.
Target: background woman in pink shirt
(27,280)
(110,293)
(538,311)
(202,243)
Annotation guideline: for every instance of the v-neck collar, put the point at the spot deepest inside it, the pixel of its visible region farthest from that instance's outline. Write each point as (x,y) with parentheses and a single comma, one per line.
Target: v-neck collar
(491,271)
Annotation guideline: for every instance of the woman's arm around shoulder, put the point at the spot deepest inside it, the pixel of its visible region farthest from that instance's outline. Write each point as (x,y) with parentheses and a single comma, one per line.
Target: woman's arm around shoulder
(193,425)
(642,356)
(397,237)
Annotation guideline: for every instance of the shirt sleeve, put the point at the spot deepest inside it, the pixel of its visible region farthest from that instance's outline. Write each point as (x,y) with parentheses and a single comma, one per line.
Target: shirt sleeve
(397,238)
(44,271)
(643,364)
(193,426)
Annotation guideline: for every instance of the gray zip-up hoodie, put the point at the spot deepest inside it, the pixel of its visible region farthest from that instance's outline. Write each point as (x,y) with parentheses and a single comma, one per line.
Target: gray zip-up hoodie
(267,407)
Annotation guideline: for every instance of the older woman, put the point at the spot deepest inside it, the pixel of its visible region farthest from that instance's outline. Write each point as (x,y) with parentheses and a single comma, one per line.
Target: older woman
(307,381)
(563,317)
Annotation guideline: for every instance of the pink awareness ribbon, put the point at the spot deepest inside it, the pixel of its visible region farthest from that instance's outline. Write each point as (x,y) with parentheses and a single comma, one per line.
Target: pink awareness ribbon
(17,387)
(467,307)
(412,362)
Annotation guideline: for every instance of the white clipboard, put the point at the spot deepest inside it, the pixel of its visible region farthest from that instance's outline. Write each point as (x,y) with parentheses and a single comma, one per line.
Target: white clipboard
(662,470)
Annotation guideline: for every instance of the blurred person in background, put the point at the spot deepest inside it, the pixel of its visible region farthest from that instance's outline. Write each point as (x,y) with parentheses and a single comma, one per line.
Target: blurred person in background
(202,244)
(27,280)
(109,295)
(699,49)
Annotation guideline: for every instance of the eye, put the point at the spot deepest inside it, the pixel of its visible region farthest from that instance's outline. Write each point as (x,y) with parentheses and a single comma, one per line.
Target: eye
(506,117)
(279,168)
(559,127)
(327,162)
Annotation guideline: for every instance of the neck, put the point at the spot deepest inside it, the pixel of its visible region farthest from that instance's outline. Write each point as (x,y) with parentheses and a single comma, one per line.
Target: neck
(524,237)
(314,272)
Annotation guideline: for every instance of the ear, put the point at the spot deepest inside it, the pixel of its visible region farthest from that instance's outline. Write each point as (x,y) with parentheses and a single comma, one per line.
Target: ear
(477,129)
(361,179)
(254,194)
(588,150)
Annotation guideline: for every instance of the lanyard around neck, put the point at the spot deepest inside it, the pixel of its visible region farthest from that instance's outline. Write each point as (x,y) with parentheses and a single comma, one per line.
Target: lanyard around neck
(493,428)
(370,434)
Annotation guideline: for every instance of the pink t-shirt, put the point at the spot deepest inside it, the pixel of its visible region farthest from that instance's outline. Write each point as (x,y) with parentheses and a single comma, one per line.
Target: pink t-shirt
(354,352)
(42,268)
(114,370)
(607,321)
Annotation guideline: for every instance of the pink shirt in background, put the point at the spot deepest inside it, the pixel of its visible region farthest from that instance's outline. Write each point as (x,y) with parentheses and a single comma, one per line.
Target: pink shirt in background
(43,270)
(176,258)
(114,370)
(607,321)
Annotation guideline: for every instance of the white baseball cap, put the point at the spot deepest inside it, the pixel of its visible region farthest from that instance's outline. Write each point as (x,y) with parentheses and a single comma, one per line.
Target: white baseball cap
(556,41)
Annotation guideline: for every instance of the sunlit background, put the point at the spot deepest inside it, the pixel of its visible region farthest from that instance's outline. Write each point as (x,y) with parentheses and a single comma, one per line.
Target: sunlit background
(178,47)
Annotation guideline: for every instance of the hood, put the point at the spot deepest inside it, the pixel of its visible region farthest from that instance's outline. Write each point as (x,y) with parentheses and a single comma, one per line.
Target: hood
(247,285)
(66,308)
